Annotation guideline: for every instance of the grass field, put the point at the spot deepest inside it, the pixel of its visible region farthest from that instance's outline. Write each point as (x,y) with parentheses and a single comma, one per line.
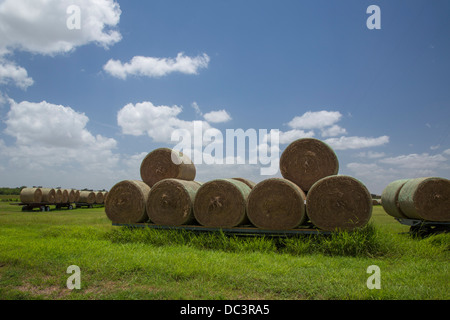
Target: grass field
(36,248)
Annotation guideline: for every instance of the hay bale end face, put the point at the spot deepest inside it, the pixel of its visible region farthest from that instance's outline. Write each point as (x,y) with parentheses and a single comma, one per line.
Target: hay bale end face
(389,198)
(65,196)
(87,197)
(126,202)
(71,196)
(164,163)
(221,203)
(77,195)
(31,195)
(306,161)
(276,204)
(426,199)
(99,198)
(171,201)
(339,203)
(48,195)
(58,196)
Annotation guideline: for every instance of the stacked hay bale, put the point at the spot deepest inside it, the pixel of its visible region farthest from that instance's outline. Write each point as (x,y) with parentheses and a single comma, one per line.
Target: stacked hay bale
(309,190)
(99,197)
(222,203)
(87,197)
(426,198)
(129,201)
(31,195)
(48,195)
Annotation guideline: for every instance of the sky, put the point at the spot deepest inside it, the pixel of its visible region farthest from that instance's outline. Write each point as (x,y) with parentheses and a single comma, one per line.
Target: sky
(89,88)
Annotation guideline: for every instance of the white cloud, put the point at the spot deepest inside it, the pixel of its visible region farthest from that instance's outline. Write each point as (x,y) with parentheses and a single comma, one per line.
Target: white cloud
(333,131)
(40,26)
(195,106)
(11,73)
(416,161)
(344,143)
(156,67)
(315,120)
(447,152)
(158,122)
(292,135)
(217,116)
(371,154)
(52,144)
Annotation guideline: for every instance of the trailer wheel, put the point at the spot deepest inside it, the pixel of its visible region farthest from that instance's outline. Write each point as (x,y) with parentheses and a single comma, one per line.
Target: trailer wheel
(70,207)
(42,208)
(25,208)
(47,208)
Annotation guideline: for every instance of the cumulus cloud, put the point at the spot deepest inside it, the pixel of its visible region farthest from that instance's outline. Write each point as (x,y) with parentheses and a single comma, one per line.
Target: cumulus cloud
(156,67)
(54,140)
(344,143)
(217,116)
(11,73)
(314,120)
(158,122)
(325,122)
(416,161)
(40,26)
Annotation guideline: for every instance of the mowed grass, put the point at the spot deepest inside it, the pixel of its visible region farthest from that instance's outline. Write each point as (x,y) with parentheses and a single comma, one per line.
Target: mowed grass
(36,248)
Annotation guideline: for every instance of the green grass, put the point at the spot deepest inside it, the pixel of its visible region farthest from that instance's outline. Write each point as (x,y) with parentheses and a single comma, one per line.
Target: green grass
(120,263)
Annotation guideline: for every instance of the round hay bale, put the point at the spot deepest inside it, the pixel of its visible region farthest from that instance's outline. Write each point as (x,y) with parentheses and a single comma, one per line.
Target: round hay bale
(99,197)
(221,203)
(48,195)
(30,195)
(58,196)
(165,163)
(171,202)
(339,203)
(426,198)
(250,183)
(87,197)
(389,198)
(306,161)
(65,196)
(276,204)
(71,196)
(126,202)
(77,195)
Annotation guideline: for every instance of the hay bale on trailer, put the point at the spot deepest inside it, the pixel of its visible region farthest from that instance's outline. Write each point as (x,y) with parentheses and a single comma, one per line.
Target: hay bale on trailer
(276,204)
(306,161)
(221,203)
(77,195)
(87,197)
(58,196)
(48,195)
(99,198)
(339,203)
(250,183)
(171,202)
(65,196)
(426,199)
(389,198)
(165,163)
(71,196)
(31,195)
(126,202)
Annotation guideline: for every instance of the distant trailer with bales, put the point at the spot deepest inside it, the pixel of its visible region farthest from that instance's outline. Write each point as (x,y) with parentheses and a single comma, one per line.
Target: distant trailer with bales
(42,198)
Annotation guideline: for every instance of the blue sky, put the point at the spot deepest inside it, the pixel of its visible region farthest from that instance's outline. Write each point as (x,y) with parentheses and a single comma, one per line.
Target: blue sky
(82,107)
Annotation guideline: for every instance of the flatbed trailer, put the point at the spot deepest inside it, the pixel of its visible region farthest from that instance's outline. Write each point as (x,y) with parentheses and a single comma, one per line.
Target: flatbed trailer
(246,230)
(423,227)
(88,205)
(42,206)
